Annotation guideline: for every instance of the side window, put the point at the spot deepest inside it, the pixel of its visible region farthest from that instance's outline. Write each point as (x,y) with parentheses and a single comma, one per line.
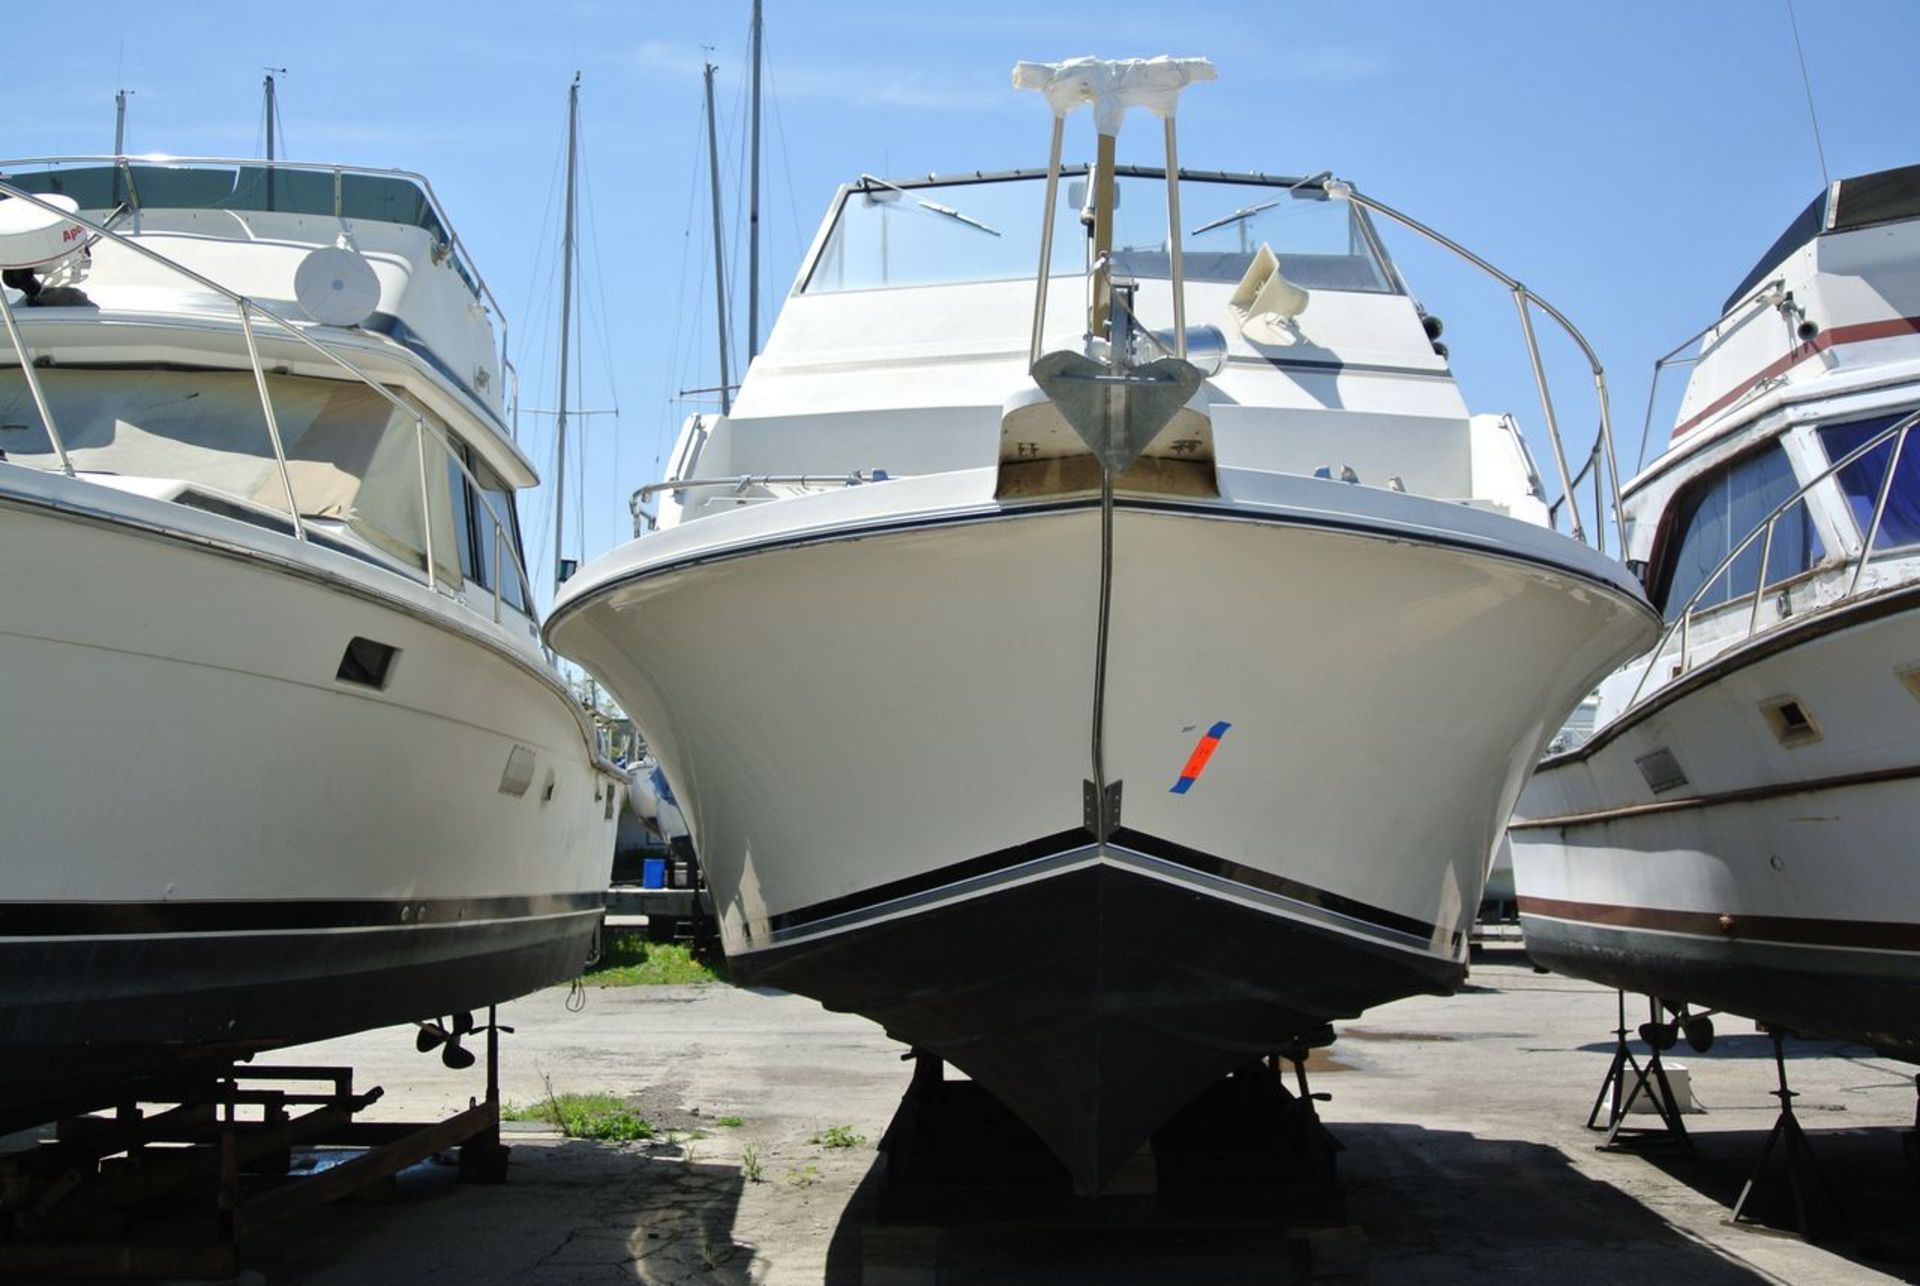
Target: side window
(1900,524)
(1716,513)
(461,492)
(497,551)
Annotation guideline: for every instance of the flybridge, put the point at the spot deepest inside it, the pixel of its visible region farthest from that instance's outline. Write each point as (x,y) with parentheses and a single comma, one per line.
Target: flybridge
(1887,196)
(251,186)
(1834,298)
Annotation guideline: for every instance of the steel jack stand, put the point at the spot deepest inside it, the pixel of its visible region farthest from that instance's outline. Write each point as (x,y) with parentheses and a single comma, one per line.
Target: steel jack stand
(483,1158)
(1803,1174)
(1317,1145)
(1626,1081)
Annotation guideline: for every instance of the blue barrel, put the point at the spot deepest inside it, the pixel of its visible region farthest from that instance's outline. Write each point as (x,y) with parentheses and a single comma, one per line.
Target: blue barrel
(653,873)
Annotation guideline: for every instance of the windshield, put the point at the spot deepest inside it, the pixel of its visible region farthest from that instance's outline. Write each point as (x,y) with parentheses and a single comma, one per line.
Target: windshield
(351,454)
(989,230)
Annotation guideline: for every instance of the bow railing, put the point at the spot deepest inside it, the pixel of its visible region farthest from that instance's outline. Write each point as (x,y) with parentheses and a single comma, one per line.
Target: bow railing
(1525,301)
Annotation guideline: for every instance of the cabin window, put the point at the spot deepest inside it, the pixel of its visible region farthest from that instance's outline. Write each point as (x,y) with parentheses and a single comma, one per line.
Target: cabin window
(989,230)
(352,455)
(1714,514)
(495,497)
(1861,480)
(463,514)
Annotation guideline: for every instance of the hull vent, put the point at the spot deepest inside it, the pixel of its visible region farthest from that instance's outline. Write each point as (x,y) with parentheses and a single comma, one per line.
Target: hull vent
(366,662)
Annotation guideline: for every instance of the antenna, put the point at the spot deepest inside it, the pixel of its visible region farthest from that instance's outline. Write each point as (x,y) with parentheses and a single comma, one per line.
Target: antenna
(1807,82)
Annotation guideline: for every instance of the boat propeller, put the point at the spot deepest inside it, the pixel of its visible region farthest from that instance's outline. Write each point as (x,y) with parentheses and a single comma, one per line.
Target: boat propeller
(446,1039)
(1696,1028)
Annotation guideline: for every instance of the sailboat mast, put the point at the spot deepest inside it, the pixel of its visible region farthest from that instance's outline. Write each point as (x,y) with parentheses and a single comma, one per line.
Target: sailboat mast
(566,334)
(719,250)
(120,123)
(753,201)
(273,116)
(268,87)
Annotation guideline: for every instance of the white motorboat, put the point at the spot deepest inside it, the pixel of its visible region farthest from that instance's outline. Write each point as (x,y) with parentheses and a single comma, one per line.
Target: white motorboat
(284,756)
(1053,749)
(1734,834)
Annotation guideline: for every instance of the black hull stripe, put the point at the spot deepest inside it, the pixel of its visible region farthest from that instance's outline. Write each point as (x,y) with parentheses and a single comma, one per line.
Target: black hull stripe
(1279,885)
(789,922)
(928,881)
(908,524)
(114,919)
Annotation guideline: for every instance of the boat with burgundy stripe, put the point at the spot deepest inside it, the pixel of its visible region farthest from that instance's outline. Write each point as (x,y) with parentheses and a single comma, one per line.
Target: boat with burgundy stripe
(1736,834)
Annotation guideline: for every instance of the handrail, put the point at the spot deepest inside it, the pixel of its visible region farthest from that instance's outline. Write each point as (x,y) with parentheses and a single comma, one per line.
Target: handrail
(125,163)
(1774,294)
(1764,529)
(32,377)
(740,482)
(247,306)
(1522,298)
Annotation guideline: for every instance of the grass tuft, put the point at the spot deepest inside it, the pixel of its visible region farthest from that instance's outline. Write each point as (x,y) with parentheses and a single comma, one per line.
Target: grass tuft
(583,1116)
(838,1136)
(630,960)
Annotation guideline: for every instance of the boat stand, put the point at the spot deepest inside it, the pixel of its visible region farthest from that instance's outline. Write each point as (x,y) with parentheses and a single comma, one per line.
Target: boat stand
(1247,1165)
(186,1170)
(1813,1203)
(1626,1080)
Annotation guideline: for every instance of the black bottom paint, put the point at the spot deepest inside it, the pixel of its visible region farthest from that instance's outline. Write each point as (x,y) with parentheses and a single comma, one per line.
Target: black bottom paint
(1245,1155)
(1096,1003)
(1867,997)
(84,1014)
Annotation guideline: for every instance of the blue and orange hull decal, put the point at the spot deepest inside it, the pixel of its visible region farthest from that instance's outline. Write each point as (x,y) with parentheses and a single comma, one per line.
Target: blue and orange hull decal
(1197,761)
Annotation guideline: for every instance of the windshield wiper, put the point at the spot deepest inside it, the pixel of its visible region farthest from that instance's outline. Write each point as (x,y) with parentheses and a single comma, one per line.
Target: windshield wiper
(1247,212)
(946,210)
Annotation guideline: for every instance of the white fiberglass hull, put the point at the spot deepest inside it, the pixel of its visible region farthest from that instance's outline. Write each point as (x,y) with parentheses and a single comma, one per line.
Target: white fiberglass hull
(880,723)
(1774,881)
(211,839)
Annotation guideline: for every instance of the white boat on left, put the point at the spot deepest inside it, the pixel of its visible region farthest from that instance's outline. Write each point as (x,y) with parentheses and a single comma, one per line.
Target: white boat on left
(283,756)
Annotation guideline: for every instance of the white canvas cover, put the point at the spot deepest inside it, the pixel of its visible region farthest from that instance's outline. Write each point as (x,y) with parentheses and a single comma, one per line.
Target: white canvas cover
(1113,84)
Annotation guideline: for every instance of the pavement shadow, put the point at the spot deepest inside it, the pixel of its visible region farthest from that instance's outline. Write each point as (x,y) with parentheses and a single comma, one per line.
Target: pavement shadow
(1446,1206)
(1434,1208)
(1744,1045)
(1866,1203)
(570,1211)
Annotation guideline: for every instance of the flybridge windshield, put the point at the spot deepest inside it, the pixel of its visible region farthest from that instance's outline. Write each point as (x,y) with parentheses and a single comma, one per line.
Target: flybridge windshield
(989,230)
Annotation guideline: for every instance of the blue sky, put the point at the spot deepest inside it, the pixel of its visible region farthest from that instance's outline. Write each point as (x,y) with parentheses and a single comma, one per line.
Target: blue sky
(1627,160)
